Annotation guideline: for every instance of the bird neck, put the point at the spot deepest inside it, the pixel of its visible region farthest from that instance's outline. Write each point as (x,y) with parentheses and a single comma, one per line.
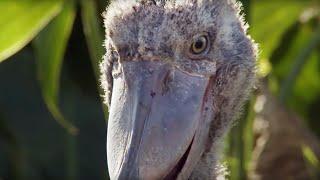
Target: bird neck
(208,166)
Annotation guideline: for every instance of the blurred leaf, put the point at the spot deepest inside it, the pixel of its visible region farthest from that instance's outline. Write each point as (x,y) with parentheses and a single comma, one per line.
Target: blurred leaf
(270,19)
(311,161)
(93,32)
(286,40)
(306,83)
(310,157)
(21,20)
(50,46)
(299,63)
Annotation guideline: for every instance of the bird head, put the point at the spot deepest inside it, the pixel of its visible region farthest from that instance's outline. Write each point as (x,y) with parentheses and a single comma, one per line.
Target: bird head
(175,76)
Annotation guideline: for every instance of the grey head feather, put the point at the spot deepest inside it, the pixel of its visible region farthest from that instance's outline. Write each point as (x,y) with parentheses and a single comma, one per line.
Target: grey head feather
(139,28)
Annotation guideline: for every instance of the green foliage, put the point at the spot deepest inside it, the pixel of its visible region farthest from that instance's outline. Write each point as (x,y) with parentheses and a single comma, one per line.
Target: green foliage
(270,19)
(49,23)
(288,37)
(50,51)
(21,21)
(51,43)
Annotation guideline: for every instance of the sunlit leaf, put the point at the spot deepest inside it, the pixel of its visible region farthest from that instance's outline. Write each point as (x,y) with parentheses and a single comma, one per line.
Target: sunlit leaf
(50,46)
(93,32)
(21,20)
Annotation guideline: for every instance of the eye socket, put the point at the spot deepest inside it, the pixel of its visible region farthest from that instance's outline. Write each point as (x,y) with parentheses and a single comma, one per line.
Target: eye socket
(116,71)
(114,55)
(199,45)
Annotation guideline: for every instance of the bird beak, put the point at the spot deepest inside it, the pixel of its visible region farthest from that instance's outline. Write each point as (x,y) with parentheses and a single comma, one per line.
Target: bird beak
(158,122)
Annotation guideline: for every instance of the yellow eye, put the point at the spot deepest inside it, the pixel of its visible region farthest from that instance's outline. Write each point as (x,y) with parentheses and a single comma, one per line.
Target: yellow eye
(199,45)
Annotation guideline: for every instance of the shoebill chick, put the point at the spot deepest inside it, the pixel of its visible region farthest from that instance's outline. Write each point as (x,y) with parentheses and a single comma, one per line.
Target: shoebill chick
(175,74)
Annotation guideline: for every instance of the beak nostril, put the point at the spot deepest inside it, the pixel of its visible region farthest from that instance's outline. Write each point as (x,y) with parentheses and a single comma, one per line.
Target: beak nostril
(152,94)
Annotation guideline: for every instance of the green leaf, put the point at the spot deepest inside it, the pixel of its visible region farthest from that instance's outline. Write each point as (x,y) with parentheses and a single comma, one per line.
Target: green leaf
(297,72)
(93,33)
(21,21)
(270,19)
(50,46)
(299,63)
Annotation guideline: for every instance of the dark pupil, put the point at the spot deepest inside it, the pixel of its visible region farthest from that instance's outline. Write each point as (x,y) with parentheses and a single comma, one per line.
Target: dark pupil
(199,44)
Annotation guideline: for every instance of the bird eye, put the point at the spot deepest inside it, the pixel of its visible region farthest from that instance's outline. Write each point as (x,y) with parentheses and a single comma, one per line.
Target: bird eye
(199,44)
